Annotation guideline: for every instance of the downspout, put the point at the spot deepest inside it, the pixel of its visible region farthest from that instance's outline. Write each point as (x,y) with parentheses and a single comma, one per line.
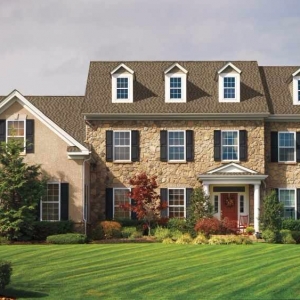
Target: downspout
(83,194)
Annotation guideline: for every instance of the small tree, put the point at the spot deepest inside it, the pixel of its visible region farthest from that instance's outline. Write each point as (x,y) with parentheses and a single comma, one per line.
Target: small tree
(20,190)
(271,216)
(200,207)
(146,202)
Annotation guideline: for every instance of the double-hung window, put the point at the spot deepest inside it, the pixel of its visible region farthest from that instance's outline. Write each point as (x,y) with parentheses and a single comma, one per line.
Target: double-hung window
(288,198)
(175,88)
(287,146)
(122,145)
(230,145)
(122,88)
(176,145)
(176,205)
(229,88)
(50,204)
(16,131)
(120,198)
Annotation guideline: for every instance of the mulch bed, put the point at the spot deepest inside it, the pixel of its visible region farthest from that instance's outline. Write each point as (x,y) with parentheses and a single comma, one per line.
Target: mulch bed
(6,298)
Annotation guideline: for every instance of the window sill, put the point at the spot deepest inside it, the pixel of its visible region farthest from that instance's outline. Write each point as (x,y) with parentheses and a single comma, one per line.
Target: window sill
(229,161)
(122,162)
(287,163)
(177,161)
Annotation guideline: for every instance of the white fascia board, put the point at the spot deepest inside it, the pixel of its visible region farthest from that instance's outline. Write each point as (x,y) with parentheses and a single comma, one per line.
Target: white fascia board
(296,73)
(42,117)
(237,179)
(232,165)
(122,66)
(178,66)
(232,66)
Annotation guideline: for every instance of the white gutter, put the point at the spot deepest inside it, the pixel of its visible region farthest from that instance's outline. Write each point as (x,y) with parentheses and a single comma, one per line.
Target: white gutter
(83,194)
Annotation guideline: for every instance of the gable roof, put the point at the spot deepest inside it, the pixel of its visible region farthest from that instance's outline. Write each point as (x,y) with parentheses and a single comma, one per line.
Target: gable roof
(149,89)
(60,114)
(230,65)
(277,84)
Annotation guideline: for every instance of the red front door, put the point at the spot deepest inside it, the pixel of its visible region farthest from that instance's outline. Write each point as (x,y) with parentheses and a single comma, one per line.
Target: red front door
(229,206)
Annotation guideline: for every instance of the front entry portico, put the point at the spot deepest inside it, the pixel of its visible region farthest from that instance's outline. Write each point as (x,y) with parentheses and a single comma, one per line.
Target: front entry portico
(234,176)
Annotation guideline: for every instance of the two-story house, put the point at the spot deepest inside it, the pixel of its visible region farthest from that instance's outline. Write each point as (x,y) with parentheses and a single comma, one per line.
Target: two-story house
(231,127)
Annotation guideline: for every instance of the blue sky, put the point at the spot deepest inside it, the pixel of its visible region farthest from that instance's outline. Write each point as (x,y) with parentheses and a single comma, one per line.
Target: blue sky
(46,45)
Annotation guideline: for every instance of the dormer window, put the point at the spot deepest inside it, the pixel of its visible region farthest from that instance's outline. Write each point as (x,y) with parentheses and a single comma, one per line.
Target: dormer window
(175,84)
(296,87)
(229,83)
(122,84)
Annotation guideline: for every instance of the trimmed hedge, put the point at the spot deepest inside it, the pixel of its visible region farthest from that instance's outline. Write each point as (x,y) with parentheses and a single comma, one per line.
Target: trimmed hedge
(43,229)
(68,238)
(290,224)
(5,273)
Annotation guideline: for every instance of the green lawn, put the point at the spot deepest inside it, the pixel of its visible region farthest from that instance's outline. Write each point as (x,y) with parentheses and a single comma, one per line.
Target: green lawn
(154,271)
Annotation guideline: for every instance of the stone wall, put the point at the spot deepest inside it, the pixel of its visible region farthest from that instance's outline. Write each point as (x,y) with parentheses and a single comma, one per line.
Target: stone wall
(281,175)
(108,174)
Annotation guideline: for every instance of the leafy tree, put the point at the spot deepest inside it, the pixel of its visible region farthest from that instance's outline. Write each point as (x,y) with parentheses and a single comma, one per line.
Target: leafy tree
(271,213)
(146,202)
(21,187)
(200,207)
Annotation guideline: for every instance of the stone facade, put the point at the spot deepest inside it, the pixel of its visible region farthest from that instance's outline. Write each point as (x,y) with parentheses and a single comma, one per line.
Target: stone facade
(110,174)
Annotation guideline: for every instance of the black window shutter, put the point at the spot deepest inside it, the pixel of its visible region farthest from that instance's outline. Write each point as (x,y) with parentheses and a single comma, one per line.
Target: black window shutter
(109,202)
(38,210)
(133,214)
(298,204)
(243,145)
(109,145)
(164,145)
(2,130)
(164,198)
(274,146)
(217,145)
(189,192)
(64,201)
(135,147)
(277,193)
(189,145)
(298,146)
(29,136)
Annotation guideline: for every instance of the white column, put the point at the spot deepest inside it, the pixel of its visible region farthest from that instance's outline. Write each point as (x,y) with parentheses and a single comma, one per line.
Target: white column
(256,206)
(206,189)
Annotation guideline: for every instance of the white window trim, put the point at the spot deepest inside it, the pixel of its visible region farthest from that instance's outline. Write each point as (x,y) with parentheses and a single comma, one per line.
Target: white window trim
(114,88)
(295,200)
(237,87)
(6,133)
(287,161)
(122,160)
(114,189)
(184,194)
(168,90)
(295,90)
(59,203)
(184,146)
(238,145)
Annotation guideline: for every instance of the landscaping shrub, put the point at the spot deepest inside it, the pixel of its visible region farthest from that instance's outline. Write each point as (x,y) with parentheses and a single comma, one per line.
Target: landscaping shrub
(161,233)
(111,229)
(286,237)
(5,273)
(175,234)
(296,236)
(229,240)
(200,239)
(68,238)
(216,240)
(128,231)
(97,232)
(43,229)
(208,226)
(168,241)
(185,239)
(270,236)
(136,235)
(291,224)
(4,240)
(250,230)
(130,222)
(227,226)
(177,224)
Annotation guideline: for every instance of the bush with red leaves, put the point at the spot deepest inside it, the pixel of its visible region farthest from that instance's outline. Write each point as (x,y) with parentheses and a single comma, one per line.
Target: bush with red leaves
(210,226)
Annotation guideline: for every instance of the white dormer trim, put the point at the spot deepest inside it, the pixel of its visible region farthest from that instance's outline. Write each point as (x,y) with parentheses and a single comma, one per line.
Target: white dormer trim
(230,65)
(174,66)
(129,75)
(16,96)
(183,77)
(296,79)
(237,78)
